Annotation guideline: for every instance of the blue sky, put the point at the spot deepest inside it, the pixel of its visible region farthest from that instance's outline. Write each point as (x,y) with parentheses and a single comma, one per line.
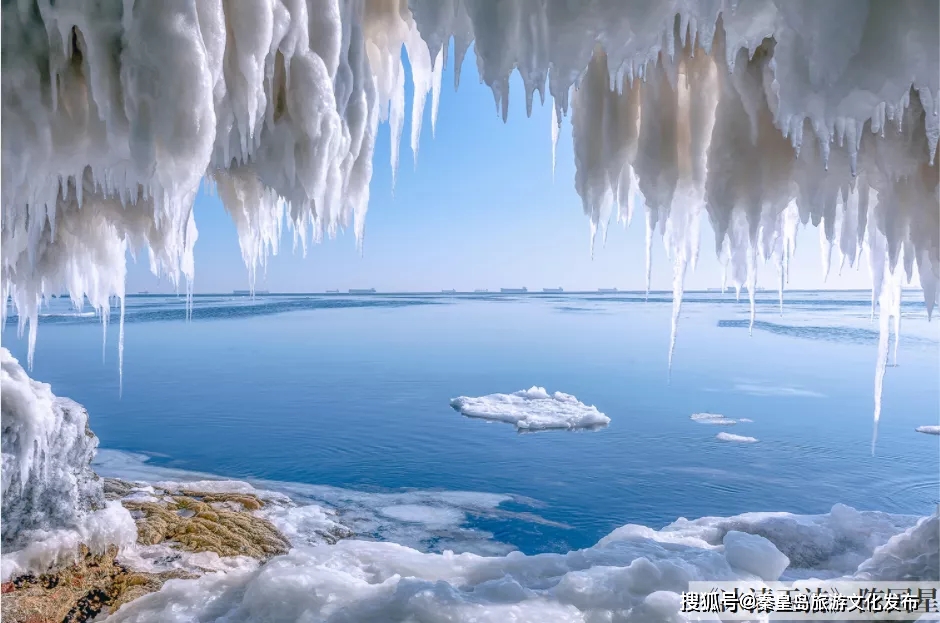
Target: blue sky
(478,210)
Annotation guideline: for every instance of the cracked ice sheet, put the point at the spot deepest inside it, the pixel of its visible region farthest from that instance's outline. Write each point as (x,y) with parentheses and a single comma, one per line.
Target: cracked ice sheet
(532,409)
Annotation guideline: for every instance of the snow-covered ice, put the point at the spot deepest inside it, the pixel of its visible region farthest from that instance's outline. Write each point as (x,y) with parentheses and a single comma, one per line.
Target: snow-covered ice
(532,409)
(737,438)
(712,418)
(928,430)
(634,574)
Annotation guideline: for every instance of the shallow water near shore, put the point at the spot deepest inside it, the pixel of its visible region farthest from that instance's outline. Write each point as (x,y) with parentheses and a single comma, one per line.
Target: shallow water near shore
(352,393)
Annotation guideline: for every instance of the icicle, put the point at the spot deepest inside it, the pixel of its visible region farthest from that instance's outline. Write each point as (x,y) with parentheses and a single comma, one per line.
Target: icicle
(556,130)
(649,253)
(677,291)
(436,89)
(121,351)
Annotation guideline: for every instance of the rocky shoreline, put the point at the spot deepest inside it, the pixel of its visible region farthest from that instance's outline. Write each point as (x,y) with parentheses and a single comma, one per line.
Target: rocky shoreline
(183,521)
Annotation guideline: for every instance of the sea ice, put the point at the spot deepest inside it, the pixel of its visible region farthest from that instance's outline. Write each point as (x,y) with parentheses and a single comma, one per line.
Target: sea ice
(634,574)
(712,418)
(307,514)
(929,430)
(532,409)
(752,553)
(737,438)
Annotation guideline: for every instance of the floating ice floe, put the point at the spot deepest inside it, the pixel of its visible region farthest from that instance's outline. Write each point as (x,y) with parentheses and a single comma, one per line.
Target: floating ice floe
(928,430)
(736,438)
(712,418)
(532,409)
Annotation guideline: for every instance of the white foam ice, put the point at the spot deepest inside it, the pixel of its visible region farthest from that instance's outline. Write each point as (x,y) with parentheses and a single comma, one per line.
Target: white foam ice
(532,409)
(712,418)
(634,574)
(764,115)
(928,430)
(736,438)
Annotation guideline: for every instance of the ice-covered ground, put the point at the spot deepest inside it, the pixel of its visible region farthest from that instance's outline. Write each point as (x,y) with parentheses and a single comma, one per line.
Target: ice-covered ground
(532,409)
(422,519)
(634,574)
(52,500)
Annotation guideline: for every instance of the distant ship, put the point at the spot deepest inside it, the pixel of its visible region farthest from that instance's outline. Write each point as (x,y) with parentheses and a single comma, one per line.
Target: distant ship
(606,290)
(144,292)
(362,291)
(248,292)
(332,291)
(553,290)
(480,291)
(448,291)
(513,290)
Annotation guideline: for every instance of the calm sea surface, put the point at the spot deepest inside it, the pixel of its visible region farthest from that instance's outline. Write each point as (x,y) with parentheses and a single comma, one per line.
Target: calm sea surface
(353,392)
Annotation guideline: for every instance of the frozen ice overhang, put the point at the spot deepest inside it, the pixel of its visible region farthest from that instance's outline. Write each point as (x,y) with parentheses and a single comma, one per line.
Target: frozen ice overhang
(763,114)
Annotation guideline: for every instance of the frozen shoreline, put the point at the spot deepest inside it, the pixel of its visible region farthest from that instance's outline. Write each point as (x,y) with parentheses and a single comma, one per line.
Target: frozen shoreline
(635,569)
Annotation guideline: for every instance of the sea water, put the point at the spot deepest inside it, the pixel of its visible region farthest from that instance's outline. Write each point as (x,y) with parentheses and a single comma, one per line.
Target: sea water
(353,392)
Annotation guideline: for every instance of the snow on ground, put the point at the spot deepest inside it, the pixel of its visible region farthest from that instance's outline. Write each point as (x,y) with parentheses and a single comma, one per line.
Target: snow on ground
(635,574)
(712,418)
(929,430)
(738,438)
(532,409)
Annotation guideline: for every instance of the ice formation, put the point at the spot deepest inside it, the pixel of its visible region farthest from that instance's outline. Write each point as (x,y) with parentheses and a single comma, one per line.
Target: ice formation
(532,409)
(762,114)
(52,500)
(421,519)
(736,438)
(712,418)
(634,574)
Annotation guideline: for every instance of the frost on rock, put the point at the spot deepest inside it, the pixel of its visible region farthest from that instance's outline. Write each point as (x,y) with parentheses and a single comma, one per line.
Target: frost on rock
(52,500)
(762,114)
(532,409)
(634,574)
